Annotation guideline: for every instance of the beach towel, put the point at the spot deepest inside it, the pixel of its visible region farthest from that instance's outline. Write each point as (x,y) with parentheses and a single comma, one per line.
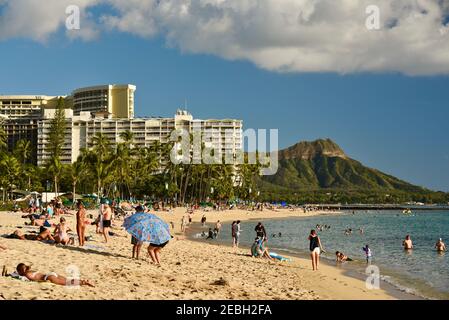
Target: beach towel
(278,257)
(17,276)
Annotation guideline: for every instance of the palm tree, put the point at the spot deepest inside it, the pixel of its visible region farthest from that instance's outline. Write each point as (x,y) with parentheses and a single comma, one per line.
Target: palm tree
(121,165)
(22,150)
(55,167)
(10,170)
(101,144)
(77,171)
(128,138)
(100,166)
(3,136)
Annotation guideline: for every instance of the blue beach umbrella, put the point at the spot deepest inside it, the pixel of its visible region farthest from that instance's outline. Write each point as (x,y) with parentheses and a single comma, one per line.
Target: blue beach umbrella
(147,227)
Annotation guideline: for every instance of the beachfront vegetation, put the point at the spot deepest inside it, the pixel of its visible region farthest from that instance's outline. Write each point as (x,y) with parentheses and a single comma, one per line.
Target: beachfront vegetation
(311,173)
(123,171)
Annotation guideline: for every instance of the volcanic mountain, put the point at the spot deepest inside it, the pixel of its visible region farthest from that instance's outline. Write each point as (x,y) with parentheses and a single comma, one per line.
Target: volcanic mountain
(322,164)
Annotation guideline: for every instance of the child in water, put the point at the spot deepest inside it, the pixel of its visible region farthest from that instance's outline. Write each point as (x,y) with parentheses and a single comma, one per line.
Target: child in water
(368,254)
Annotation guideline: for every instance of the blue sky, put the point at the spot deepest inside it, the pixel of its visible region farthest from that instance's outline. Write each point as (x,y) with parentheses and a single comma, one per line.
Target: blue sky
(395,123)
(386,119)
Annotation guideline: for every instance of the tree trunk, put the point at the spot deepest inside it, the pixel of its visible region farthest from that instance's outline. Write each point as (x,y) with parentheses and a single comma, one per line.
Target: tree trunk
(98,188)
(56,186)
(73,194)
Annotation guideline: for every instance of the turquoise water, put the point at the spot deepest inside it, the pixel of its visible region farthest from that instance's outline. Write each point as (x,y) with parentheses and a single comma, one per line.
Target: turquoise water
(424,272)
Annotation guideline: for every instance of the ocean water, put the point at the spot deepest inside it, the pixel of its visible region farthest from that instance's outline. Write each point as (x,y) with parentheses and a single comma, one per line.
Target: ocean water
(423,272)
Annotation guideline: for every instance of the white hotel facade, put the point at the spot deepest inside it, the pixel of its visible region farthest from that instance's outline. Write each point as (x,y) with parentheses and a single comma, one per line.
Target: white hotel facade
(109,110)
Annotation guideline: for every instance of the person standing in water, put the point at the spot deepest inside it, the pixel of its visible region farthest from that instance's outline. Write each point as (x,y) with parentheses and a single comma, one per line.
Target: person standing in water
(233,231)
(260,231)
(236,233)
(440,246)
(217,228)
(407,243)
(368,254)
(107,220)
(81,223)
(315,249)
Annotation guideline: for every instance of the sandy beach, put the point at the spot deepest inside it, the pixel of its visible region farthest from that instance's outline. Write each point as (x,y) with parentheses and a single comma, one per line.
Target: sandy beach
(190,270)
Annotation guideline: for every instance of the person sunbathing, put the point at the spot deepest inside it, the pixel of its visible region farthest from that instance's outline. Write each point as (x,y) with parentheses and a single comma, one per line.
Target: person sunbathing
(41,222)
(25,271)
(44,234)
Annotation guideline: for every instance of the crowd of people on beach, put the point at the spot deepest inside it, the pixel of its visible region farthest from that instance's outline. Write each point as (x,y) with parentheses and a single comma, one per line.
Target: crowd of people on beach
(59,233)
(44,218)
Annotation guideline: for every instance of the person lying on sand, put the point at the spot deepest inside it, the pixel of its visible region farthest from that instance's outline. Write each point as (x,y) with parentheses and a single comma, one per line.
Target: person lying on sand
(44,234)
(41,222)
(25,271)
(341,257)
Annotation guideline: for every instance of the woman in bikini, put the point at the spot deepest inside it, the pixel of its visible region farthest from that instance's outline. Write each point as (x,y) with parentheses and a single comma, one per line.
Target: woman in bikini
(81,223)
(154,251)
(61,235)
(25,271)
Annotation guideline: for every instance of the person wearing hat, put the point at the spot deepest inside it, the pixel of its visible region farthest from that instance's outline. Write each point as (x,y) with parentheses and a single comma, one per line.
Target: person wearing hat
(440,246)
(107,220)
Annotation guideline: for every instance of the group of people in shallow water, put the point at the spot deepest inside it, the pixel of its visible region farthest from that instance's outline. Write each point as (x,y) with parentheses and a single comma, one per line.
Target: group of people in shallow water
(408,245)
(316,248)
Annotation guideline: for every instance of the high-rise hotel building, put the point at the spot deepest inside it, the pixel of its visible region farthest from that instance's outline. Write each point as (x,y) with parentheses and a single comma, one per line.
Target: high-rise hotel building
(108,109)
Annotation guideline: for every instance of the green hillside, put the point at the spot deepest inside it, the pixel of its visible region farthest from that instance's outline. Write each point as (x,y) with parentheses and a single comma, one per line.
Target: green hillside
(321,166)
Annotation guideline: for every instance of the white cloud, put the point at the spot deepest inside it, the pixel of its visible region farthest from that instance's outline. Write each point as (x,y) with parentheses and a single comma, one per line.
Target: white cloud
(38,19)
(278,35)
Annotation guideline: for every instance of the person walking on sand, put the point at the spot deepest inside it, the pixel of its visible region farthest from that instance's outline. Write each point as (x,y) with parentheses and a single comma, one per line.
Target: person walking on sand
(183,223)
(81,223)
(407,243)
(315,249)
(107,220)
(440,246)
